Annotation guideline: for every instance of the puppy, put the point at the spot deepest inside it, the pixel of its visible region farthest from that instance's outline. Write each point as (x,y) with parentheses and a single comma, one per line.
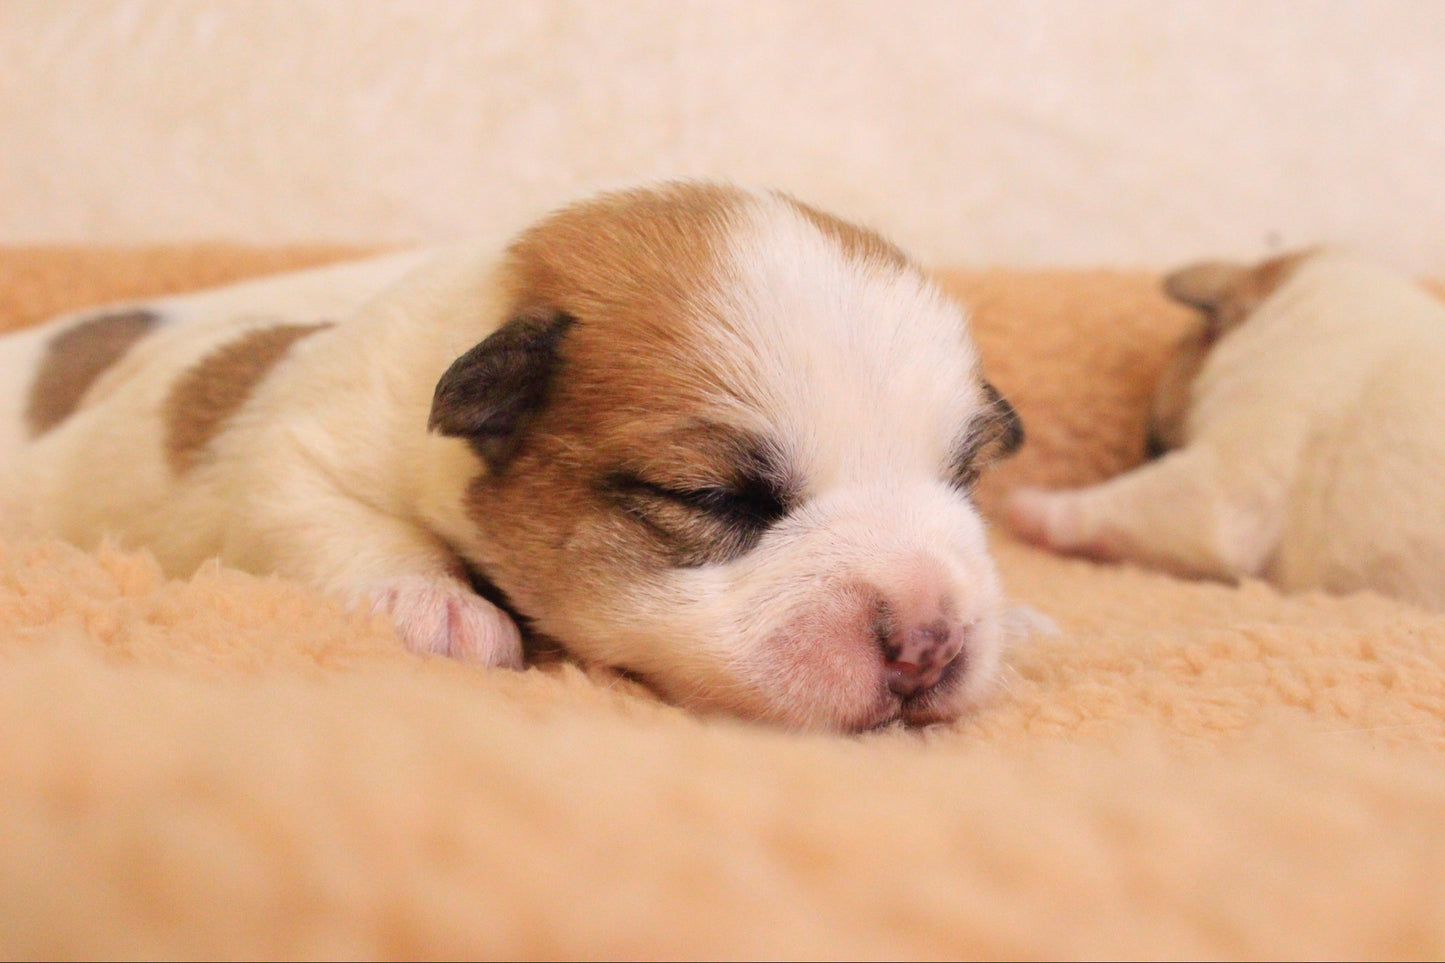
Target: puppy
(708,436)
(1302,431)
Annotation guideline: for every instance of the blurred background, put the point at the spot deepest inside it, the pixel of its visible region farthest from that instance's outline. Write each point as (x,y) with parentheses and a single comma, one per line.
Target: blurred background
(974,132)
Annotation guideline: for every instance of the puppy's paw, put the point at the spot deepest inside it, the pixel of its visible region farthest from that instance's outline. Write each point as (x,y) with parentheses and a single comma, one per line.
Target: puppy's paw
(1038,516)
(445,617)
(1056,521)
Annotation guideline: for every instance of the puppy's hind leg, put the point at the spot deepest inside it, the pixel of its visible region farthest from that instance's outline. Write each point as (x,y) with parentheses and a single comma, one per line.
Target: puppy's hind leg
(1178,513)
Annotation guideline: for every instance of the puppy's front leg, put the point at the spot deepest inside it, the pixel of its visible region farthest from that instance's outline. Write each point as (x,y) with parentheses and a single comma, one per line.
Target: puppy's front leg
(381,563)
(441,614)
(1181,513)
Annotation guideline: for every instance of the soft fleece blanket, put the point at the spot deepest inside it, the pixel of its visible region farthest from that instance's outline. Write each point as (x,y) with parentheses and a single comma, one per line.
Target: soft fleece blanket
(230,766)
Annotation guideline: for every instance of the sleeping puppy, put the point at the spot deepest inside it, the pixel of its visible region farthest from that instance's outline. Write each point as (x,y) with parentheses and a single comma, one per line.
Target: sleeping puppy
(1304,423)
(707,436)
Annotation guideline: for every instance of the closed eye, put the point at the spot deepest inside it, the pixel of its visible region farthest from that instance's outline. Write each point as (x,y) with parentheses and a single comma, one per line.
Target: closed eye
(753,502)
(704,510)
(698,525)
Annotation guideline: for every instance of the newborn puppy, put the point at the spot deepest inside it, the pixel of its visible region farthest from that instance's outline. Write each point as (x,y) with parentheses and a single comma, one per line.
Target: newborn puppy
(708,436)
(1304,423)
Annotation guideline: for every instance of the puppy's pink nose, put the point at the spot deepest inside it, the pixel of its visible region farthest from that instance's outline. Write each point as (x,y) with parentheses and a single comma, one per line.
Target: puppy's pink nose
(918,654)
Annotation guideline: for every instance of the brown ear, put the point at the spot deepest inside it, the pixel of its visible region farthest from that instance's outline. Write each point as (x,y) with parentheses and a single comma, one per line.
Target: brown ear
(1204,285)
(1229,293)
(489,394)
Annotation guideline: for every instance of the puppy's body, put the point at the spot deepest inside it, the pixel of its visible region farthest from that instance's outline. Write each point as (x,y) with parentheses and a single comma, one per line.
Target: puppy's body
(1307,414)
(708,436)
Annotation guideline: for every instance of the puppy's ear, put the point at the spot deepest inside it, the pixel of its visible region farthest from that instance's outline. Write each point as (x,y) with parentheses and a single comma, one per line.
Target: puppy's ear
(994,433)
(489,394)
(1229,293)
(1204,285)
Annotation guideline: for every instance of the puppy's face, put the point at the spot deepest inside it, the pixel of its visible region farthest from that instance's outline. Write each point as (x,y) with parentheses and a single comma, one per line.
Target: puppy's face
(728,445)
(1226,295)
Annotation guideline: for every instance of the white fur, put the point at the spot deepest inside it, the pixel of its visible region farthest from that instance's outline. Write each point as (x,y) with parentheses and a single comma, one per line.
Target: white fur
(1314,455)
(328,473)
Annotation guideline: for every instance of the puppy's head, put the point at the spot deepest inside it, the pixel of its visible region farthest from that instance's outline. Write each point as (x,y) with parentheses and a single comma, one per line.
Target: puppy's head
(728,443)
(1226,295)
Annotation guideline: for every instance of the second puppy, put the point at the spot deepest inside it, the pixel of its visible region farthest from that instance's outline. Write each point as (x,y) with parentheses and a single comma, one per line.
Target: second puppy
(1302,431)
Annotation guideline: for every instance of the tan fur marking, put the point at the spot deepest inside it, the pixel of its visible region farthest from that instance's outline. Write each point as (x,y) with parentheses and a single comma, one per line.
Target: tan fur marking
(216,387)
(1230,293)
(75,358)
(858,242)
(633,372)
(628,256)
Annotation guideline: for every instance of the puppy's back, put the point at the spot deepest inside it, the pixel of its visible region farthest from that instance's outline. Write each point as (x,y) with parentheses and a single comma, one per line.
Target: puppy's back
(129,354)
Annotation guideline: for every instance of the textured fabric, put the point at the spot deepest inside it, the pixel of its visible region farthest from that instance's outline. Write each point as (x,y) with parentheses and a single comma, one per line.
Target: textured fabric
(230,766)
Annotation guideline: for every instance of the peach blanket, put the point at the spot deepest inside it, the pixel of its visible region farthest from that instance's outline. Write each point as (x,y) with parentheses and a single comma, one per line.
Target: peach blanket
(230,766)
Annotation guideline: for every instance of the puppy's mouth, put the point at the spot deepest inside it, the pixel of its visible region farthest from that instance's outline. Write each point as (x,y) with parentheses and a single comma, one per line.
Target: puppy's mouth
(933,706)
(936,704)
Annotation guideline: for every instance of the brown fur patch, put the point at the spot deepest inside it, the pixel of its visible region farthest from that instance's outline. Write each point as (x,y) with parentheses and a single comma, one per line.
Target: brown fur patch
(632,375)
(216,387)
(75,358)
(622,255)
(857,242)
(1230,293)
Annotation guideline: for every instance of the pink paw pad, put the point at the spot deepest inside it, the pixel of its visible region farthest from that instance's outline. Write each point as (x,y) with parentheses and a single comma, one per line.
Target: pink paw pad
(440,616)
